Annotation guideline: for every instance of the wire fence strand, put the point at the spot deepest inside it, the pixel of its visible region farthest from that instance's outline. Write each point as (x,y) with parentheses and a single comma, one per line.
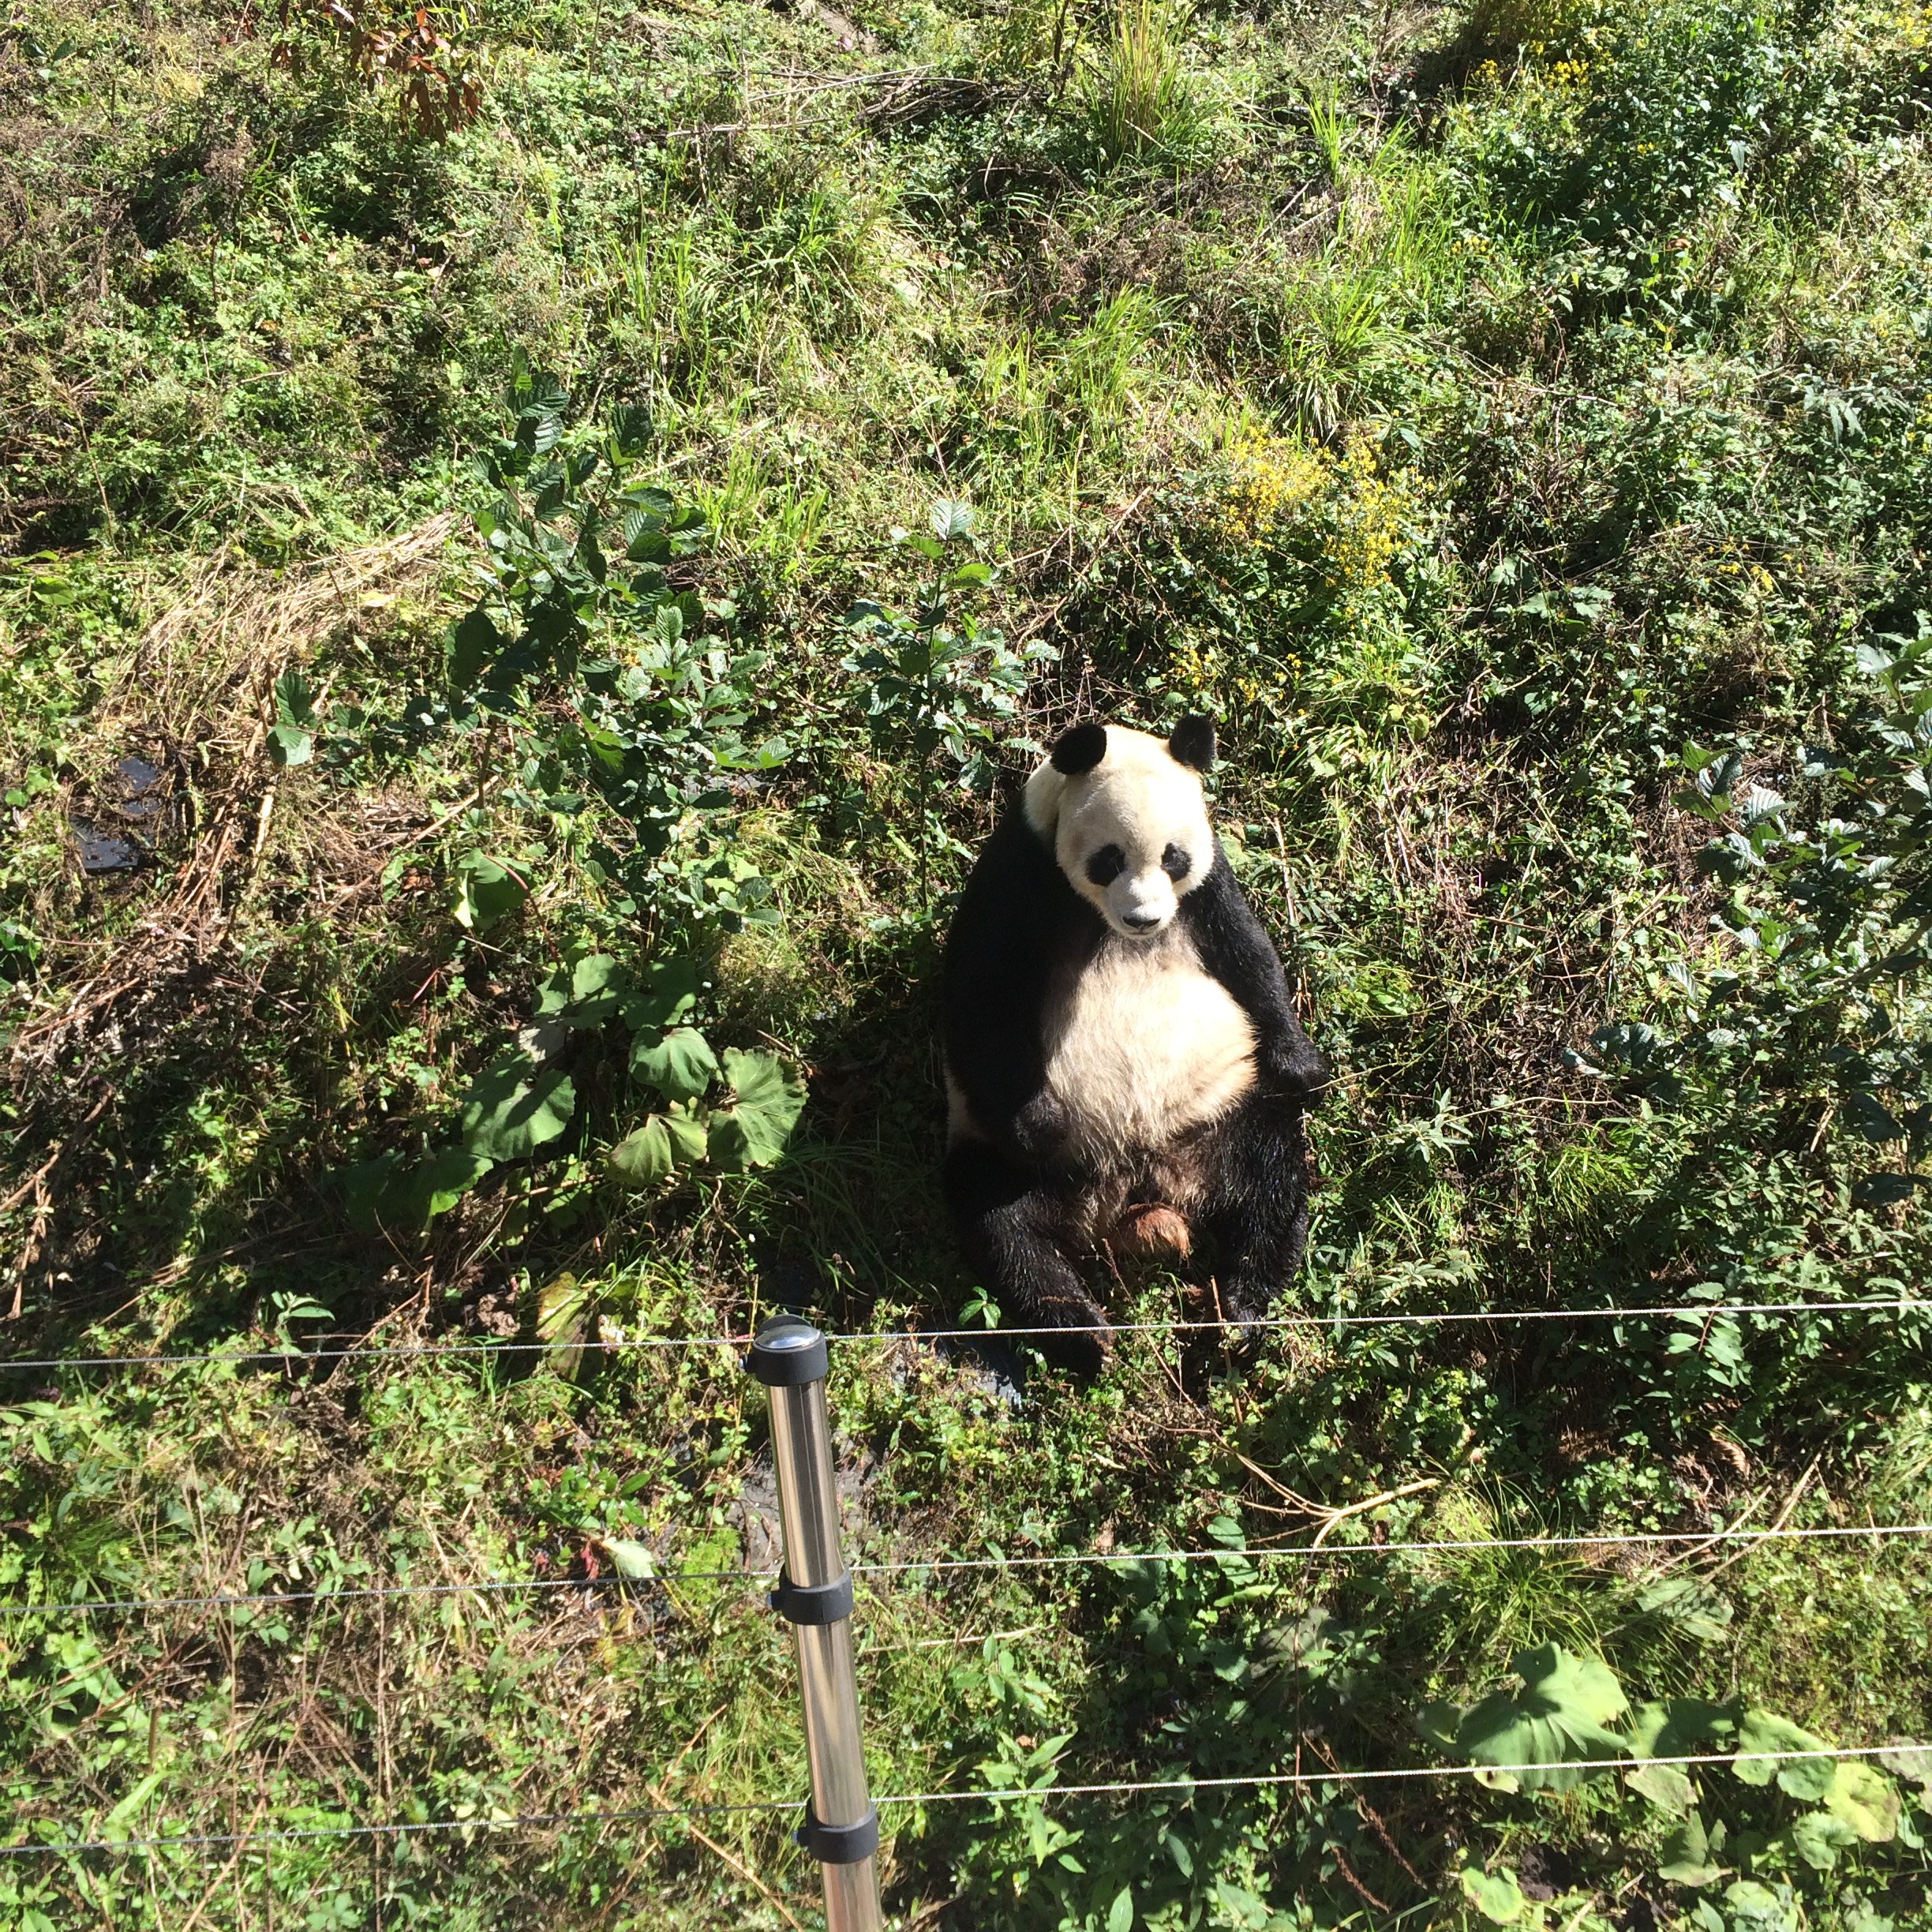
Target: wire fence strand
(1037,1793)
(293,1356)
(752,1579)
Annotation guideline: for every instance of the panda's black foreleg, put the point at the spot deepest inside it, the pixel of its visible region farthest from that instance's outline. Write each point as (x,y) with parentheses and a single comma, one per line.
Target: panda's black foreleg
(1256,1214)
(1008,1223)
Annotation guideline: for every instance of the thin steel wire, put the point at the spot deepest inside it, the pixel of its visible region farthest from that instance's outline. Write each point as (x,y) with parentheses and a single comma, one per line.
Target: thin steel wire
(1255,1781)
(1690,1311)
(751,1578)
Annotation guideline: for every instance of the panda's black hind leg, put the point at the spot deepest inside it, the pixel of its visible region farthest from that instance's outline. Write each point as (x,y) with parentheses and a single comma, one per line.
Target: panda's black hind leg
(1256,1214)
(1008,1225)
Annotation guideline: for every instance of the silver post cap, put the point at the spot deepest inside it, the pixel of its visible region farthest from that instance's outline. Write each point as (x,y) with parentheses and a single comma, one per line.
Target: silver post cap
(788,1352)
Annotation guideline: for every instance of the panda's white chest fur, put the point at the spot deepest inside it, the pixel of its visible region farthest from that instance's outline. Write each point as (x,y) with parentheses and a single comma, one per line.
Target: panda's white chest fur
(1143,1044)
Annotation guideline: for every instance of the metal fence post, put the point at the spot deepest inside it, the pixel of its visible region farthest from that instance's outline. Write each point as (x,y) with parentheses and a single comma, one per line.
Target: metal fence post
(814,1595)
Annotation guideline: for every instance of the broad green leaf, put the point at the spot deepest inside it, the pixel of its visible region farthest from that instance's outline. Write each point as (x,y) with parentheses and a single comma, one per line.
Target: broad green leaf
(1749,1901)
(1120,1913)
(1870,1116)
(1689,1603)
(473,643)
(294,700)
(511,1109)
(630,1560)
(1680,1728)
(668,991)
(681,1065)
(1912,1762)
(486,892)
(1667,1787)
(1558,1716)
(768,1097)
(1248,1912)
(1438,1723)
(1817,1838)
(951,520)
(1760,1732)
(643,1158)
(688,1132)
(1497,1895)
(1686,1858)
(443,1179)
(1864,1800)
(365,1190)
(586,994)
(291,744)
(563,1307)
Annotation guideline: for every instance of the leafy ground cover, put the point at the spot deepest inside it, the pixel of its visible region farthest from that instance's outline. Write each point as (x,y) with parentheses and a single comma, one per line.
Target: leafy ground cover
(537,540)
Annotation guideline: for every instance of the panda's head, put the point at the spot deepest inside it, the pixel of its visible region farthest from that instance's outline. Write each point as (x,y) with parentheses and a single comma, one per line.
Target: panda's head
(1125,818)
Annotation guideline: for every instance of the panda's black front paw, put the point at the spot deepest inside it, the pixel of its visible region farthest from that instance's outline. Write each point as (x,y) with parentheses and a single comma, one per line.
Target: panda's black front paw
(1294,1068)
(1074,1334)
(1244,1313)
(1040,1127)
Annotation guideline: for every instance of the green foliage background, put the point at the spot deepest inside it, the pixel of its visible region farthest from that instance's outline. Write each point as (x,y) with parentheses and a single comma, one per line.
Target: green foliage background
(581,588)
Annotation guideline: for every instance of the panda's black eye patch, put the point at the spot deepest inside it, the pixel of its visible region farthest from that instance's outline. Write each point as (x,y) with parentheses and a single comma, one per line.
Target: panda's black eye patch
(1176,863)
(1107,865)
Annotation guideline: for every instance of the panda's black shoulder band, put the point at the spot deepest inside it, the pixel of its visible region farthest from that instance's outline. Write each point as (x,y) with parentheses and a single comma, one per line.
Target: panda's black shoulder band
(1079,750)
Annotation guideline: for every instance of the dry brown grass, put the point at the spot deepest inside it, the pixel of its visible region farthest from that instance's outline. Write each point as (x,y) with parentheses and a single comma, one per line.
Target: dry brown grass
(202,679)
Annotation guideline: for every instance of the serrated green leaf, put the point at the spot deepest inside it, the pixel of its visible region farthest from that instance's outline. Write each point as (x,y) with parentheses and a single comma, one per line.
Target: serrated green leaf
(681,1065)
(511,1109)
(1911,1761)
(486,891)
(1868,1116)
(768,1097)
(584,995)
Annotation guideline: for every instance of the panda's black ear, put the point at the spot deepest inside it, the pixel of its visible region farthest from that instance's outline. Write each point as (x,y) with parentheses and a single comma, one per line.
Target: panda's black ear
(1193,742)
(1080,750)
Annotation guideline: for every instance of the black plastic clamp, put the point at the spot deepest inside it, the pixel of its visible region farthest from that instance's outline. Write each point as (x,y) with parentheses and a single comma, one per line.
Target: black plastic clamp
(788,1352)
(839,1844)
(812,1603)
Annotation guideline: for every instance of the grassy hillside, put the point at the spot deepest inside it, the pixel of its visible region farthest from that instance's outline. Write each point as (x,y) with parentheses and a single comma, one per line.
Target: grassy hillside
(488,741)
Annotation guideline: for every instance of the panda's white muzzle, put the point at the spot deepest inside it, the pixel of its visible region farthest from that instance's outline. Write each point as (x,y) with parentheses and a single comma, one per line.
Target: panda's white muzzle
(1139,908)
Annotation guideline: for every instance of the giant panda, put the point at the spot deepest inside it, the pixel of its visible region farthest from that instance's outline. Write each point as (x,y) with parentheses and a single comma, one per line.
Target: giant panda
(1124,1068)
